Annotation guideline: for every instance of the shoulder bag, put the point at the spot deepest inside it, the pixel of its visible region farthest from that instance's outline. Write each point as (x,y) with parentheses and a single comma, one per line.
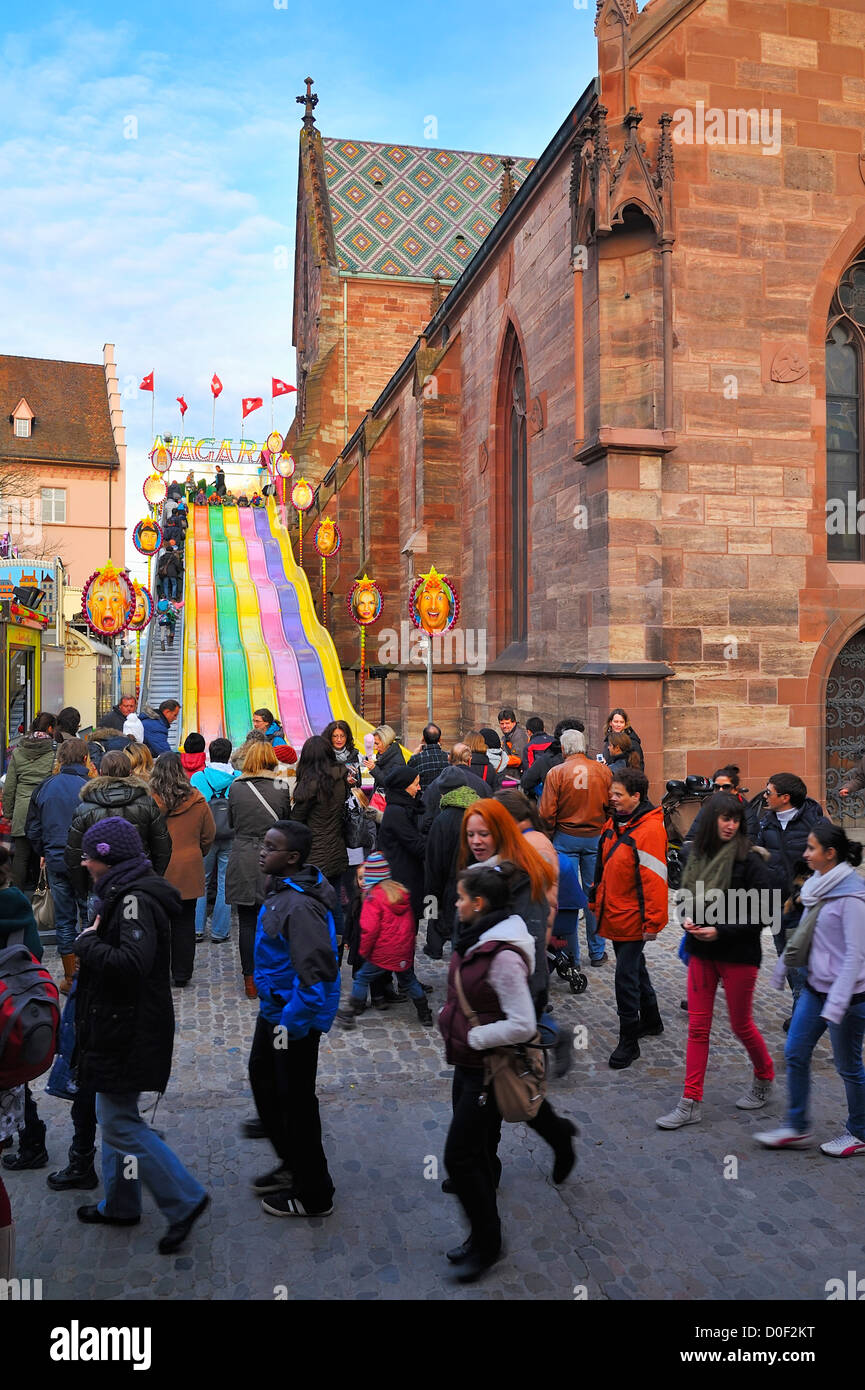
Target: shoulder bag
(517,1073)
(43,903)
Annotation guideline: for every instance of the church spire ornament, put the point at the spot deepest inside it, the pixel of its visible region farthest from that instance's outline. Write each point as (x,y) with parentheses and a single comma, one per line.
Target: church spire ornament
(309,101)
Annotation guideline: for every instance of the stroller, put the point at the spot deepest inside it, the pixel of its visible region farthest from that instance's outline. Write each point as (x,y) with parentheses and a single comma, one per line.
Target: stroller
(560,960)
(680,804)
(572,900)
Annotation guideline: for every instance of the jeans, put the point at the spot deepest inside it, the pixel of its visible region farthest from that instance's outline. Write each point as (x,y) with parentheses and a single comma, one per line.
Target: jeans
(170,587)
(68,909)
(806,1028)
(369,972)
(125,1135)
(583,849)
(183,942)
(220,926)
(247,917)
(283,1087)
(634,992)
(739,981)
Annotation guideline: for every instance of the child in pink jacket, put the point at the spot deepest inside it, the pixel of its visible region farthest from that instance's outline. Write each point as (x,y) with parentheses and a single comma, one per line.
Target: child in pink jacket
(387,941)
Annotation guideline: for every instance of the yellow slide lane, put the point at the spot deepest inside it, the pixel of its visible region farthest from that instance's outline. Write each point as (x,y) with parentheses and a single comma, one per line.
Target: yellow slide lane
(317,635)
(262,689)
(189,691)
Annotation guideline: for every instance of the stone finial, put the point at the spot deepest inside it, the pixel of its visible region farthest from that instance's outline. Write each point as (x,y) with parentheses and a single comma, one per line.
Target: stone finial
(438,295)
(625,11)
(507,187)
(309,101)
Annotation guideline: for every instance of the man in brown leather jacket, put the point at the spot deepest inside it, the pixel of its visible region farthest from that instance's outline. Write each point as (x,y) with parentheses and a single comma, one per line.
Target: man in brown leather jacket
(574,807)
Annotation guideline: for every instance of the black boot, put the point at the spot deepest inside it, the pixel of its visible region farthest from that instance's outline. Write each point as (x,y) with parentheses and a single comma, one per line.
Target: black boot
(28,1156)
(651,1024)
(628,1049)
(347,1016)
(79,1173)
(423,1011)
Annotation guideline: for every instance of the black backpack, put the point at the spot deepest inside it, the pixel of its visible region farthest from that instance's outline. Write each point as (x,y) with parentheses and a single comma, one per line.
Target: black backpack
(218,804)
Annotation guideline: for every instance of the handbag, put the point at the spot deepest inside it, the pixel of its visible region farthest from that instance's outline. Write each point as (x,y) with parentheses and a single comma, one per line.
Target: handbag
(798,948)
(517,1073)
(43,903)
(359,827)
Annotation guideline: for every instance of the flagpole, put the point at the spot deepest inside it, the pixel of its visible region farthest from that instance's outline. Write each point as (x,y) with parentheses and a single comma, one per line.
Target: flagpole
(213,417)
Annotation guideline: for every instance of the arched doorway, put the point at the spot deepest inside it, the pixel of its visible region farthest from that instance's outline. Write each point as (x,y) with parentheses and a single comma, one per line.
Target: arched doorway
(845,729)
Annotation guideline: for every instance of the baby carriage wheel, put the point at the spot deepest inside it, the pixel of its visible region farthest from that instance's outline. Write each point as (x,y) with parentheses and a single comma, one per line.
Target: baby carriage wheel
(578,981)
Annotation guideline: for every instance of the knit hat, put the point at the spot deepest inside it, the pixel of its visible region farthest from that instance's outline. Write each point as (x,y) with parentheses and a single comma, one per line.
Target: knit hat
(490,738)
(112,841)
(375,870)
(400,778)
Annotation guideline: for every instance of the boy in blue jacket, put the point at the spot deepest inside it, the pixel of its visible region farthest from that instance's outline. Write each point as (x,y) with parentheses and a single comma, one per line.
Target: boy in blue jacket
(297,977)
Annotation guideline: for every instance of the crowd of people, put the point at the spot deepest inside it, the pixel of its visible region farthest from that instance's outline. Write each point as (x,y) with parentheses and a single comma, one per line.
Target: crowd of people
(492,851)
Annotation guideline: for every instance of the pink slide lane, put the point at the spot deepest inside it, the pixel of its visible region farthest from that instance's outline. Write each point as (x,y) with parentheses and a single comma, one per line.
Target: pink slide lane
(286,673)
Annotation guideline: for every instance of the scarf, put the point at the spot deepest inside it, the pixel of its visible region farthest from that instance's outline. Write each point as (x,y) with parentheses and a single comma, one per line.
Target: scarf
(713,871)
(820,886)
(120,876)
(345,755)
(813,893)
(469,933)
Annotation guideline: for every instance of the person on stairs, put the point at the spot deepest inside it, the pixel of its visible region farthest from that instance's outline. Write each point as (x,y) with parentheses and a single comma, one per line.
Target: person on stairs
(720,872)
(388,932)
(629,899)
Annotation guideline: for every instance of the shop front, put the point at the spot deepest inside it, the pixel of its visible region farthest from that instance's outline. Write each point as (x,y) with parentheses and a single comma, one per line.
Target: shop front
(21,633)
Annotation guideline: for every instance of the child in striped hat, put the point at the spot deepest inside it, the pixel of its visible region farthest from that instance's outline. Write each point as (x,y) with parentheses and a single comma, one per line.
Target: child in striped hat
(387,940)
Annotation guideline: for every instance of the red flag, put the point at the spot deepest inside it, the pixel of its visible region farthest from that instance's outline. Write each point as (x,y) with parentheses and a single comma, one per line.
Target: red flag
(251,403)
(183,406)
(215,385)
(280,388)
(147,383)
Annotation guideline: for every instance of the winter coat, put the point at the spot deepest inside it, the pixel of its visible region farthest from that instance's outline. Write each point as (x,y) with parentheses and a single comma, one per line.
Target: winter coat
(16,915)
(325,816)
(391,758)
(515,744)
(576,796)
(296,969)
(429,762)
(629,897)
(402,844)
(737,920)
(213,780)
(636,747)
(245,884)
(481,766)
(105,740)
(113,719)
(274,735)
(459,775)
(836,963)
(192,762)
(129,798)
(752,818)
(493,974)
(31,762)
(52,808)
(440,860)
(535,776)
(785,847)
(387,930)
(537,744)
(156,734)
(192,830)
(124,1013)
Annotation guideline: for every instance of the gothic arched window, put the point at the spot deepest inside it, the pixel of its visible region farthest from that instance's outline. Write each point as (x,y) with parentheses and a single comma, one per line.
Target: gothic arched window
(845,454)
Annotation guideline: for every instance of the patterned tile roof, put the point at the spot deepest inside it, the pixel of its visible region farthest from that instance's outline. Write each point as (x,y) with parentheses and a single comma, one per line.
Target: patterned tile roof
(411,210)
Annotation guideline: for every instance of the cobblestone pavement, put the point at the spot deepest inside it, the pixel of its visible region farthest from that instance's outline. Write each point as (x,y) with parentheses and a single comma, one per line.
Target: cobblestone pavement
(646,1214)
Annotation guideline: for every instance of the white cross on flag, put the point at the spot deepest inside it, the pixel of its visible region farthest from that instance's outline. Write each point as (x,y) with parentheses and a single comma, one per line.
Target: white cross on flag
(251,403)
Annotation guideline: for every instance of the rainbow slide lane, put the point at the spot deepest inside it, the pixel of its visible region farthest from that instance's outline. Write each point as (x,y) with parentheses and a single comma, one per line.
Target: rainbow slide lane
(262,688)
(189,692)
(286,671)
(202,663)
(324,692)
(236,701)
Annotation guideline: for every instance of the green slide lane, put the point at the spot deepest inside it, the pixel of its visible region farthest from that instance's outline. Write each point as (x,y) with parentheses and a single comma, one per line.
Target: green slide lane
(235,678)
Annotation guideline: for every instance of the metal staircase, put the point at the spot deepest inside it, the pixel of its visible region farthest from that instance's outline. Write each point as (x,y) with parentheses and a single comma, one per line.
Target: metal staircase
(162,678)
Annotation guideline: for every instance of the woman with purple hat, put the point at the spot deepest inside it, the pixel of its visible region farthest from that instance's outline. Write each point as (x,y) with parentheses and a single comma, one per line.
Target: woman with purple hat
(126,1030)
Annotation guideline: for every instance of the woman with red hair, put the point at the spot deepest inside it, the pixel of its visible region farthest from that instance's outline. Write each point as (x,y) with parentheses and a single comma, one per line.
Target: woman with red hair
(490,834)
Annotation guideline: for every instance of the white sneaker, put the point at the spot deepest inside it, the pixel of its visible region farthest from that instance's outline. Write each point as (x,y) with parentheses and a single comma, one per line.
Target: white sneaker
(687,1112)
(784,1138)
(756,1097)
(845,1146)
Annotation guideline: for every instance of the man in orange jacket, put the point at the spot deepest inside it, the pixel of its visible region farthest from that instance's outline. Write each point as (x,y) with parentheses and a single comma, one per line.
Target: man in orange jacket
(631,905)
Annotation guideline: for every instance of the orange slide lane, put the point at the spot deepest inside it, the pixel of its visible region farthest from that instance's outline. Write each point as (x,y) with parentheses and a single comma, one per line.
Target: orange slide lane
(209,667)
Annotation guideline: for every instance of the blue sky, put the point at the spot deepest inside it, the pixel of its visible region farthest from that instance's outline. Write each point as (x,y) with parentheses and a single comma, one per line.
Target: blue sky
(148,161)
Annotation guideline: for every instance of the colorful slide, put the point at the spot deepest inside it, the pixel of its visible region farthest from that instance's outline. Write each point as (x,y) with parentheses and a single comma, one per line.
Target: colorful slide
(252,638)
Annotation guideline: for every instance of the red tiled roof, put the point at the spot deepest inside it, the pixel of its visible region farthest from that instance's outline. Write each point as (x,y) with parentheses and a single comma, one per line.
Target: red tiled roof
(70,403)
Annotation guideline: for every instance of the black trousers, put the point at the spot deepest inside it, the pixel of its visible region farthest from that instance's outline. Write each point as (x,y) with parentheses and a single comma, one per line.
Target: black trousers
(84,1122)
(282,1075)
(634,991)
(246,920)
(183,942)
(25,866)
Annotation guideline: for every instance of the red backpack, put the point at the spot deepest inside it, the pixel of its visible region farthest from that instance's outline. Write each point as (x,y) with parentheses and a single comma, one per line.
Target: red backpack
(29,1015)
